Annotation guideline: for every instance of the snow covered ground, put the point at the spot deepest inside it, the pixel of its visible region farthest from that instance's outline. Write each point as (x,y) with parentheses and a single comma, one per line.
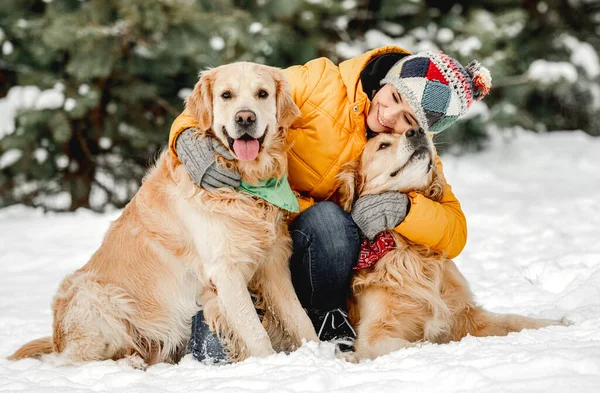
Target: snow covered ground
(533,207)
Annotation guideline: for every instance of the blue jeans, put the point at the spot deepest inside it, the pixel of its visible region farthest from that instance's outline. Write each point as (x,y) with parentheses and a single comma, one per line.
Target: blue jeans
(326,244)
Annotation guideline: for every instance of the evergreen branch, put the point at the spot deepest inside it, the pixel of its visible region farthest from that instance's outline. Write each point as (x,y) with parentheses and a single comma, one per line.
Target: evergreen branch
(109,194)
(84,147)
(512,80)
(168,107)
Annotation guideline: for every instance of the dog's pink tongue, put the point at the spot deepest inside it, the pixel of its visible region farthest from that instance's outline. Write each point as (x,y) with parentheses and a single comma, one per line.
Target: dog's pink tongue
(246,150)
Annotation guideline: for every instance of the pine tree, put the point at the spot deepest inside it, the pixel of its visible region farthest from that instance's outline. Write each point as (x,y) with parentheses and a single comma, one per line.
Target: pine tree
(104,80)
(95,84)
(542,56)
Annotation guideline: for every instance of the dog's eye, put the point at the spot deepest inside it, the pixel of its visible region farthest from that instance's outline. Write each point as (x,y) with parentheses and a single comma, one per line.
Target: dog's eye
(226,95)
(384,145)
(393,174)
(262,94)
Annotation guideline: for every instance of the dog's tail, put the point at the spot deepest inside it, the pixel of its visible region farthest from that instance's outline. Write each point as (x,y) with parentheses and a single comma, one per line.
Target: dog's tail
(481,323)
(34,349)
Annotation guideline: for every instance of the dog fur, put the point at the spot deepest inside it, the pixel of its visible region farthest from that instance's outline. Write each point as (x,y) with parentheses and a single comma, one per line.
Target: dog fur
(177,248)
(412,294)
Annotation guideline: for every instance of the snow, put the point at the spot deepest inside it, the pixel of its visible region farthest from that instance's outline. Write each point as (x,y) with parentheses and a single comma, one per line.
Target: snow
(394,29)
(583,54)
(40,154)
(532,204)
(341,22)
(445,35)
(59,201)
(485,21)
(104,142)
(217,43)
(50,99)
(346,50)
(7,48)
(22,24)
(184,93)
(143,51)
(468,46)
(10,157)
(478,108)
(419,40)
(62,161)
(83,89)
(20,98)
(550,72)
(255,27)
(70,104)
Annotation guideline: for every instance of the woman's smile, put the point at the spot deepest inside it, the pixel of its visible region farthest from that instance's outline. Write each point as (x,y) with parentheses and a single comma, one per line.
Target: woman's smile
(390,112)
(380,120)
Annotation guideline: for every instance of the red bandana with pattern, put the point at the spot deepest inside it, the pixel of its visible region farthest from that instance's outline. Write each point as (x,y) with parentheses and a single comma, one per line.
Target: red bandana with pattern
(370,253)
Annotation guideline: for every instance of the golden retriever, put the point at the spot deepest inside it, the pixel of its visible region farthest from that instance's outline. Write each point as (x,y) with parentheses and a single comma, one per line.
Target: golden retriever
(411,294)
(177,248)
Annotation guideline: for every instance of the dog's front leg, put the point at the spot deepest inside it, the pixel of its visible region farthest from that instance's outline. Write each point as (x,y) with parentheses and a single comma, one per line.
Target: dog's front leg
(377,332)
(240,314)
(275,284)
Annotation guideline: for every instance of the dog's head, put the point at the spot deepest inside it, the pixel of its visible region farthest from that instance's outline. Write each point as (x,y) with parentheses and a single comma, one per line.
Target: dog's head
(247,106)
(391,162)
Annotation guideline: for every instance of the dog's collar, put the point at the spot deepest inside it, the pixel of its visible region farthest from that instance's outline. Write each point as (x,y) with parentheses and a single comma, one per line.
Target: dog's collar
(370,253)
(277,192)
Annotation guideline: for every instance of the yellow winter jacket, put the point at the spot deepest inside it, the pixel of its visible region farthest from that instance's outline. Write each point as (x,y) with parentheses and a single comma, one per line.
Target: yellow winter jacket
(332,131)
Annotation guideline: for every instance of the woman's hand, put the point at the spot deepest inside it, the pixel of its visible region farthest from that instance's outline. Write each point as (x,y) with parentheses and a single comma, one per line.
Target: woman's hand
(378,212)
(198,157)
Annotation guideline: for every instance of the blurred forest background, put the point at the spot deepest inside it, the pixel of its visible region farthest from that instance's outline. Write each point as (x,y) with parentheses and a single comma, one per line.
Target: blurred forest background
(89,88)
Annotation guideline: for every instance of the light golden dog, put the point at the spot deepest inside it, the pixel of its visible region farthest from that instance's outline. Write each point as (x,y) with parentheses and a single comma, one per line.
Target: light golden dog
(411,294)
(178,248)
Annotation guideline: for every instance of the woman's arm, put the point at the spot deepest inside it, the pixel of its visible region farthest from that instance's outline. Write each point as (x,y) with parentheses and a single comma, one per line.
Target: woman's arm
(182,123)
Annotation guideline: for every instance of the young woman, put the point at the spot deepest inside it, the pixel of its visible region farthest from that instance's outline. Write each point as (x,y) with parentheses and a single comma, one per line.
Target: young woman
(384,90)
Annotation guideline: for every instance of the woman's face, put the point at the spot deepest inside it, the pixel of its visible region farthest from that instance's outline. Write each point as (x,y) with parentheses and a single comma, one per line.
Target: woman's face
(390,112)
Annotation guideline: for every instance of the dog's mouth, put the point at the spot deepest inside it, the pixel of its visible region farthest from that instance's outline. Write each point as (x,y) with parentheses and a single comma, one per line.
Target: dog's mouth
(418,154)
(246,147)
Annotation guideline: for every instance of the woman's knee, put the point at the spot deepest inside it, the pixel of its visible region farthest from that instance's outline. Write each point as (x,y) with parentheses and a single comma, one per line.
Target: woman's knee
(332,230)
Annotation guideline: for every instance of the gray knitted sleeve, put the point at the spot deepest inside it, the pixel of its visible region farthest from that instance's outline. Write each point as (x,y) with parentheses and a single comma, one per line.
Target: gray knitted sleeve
(198,156)
(378,212)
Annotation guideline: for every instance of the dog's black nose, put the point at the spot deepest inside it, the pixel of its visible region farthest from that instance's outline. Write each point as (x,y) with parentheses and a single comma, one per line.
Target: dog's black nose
(416,136)
(415,132)
(245,118)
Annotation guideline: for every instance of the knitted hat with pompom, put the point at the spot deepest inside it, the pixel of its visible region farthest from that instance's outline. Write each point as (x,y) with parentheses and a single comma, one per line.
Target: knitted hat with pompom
(438,88)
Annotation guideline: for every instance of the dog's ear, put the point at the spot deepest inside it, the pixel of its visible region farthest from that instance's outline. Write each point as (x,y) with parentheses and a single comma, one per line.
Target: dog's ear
(287,110)
(349,184)
(435,191)
(199,103)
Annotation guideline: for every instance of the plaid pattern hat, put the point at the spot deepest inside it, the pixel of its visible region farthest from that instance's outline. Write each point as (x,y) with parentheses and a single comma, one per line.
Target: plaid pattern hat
(438,88)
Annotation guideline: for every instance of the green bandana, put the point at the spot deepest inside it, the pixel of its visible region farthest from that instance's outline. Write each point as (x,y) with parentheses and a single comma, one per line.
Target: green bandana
(279,193)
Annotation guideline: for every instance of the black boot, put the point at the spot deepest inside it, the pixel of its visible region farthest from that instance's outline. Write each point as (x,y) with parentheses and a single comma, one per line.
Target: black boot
(334,326)
(204,344)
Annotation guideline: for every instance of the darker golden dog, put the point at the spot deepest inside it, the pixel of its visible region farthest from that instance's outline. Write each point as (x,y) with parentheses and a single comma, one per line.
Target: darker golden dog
(412,294)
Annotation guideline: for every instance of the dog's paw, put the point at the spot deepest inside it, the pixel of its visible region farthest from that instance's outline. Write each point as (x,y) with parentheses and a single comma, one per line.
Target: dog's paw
(133,361)
(350,357)
(565,321)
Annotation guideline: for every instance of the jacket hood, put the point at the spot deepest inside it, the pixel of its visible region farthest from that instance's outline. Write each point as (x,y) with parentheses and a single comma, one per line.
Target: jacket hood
(368,69)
